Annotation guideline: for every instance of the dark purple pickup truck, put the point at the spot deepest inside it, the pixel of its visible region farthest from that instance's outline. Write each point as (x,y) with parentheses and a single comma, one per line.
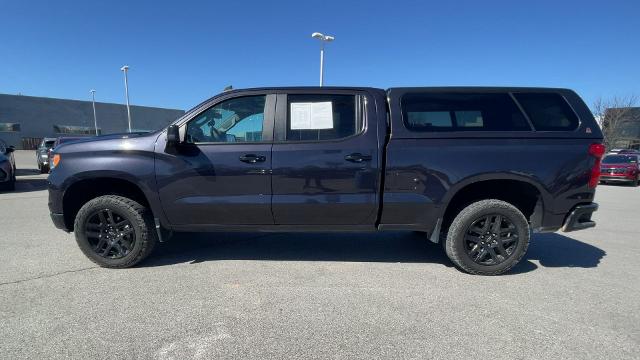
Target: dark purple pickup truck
(476,169)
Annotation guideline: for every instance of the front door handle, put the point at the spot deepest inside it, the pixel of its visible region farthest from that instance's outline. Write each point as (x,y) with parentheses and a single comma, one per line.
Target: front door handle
(252,158)
(357,157)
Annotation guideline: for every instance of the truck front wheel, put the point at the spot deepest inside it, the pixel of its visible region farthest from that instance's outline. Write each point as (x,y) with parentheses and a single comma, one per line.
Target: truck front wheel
(115,231)
(488,237)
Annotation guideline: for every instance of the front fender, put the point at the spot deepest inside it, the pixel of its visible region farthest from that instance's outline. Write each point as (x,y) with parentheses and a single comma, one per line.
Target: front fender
(134,166)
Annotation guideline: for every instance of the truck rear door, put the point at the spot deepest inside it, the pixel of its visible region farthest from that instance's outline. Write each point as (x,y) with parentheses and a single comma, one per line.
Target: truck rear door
(326,158)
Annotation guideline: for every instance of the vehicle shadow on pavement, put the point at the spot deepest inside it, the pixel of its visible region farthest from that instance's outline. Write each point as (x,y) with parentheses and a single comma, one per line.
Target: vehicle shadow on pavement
(550,250)
(557,250)
(23,172)
(341,247)
(31,184)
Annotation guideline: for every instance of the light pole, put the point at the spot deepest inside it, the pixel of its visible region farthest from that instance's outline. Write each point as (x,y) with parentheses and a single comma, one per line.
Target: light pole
(93,100)
(125,69)
(323,39)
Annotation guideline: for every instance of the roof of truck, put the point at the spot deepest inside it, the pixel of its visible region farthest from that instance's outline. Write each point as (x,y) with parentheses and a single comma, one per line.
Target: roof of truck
(479,88)
(415,88)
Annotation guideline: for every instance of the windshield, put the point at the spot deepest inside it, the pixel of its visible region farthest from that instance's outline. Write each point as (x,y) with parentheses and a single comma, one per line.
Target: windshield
(49,144)
(620,159)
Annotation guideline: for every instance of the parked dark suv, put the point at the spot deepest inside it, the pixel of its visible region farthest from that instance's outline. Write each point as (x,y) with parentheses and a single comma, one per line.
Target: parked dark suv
(7,167)
(474,168)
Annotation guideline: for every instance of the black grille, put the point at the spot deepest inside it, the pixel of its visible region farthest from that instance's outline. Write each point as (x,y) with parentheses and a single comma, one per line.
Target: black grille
(613,171)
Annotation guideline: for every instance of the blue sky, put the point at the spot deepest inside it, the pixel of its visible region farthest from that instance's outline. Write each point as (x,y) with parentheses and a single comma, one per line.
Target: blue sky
(181,52)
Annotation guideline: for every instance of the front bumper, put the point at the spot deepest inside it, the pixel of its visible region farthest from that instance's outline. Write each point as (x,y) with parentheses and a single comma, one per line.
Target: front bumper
(617,178)
(580,218)
(58,221)
(56,195)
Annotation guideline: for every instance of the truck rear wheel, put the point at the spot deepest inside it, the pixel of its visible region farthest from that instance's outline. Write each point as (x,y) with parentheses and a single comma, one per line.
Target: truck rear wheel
(488,237)
(115,231)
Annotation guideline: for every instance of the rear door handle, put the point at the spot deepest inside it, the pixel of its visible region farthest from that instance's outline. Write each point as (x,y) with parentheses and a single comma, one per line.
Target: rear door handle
(357,157)
(252,158)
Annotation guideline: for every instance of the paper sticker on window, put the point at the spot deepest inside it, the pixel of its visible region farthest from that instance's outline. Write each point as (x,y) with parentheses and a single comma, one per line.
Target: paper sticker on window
(311,116)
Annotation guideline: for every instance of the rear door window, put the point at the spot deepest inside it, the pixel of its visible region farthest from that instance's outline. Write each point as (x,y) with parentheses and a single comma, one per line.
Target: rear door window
(462,112)
(320,117)
(548,111)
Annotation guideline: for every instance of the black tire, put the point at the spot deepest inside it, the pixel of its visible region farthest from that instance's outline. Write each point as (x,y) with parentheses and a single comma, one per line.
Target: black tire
(9,185)
(460,249)
(143,236)
(43,168)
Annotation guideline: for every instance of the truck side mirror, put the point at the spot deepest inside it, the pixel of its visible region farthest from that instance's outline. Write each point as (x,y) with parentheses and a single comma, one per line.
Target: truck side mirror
(173,135)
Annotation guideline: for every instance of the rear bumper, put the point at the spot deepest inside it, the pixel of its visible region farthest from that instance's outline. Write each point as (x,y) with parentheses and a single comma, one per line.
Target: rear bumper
(580,218)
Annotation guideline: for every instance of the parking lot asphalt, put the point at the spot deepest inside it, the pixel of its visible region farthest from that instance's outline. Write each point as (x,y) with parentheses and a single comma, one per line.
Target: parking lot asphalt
(314,296)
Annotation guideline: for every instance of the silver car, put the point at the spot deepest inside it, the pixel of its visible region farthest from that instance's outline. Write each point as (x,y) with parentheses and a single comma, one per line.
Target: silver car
(42,154)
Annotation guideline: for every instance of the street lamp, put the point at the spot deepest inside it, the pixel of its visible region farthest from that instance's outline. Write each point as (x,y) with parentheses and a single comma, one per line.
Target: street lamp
(125,69)
(93,100)
(323,39)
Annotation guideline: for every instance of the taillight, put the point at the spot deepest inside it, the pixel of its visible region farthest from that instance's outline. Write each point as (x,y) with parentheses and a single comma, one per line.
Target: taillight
(597,151)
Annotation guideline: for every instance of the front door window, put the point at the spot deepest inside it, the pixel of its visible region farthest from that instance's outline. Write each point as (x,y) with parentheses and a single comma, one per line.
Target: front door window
(234,120)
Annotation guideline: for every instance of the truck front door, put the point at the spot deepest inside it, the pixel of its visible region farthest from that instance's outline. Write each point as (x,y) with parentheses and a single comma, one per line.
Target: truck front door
(221,174)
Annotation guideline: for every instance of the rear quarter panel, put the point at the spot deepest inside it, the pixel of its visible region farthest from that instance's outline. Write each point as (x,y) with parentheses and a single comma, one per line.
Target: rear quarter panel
(422,175)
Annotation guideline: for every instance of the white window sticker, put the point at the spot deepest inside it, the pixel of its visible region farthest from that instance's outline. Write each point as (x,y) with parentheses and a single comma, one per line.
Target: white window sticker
(311,116)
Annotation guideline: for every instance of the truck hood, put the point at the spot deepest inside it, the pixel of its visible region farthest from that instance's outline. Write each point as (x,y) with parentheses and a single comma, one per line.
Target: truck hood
(111,142)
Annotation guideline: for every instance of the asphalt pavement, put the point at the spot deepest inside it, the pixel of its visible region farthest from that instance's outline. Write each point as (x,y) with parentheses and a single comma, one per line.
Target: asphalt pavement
(316,296)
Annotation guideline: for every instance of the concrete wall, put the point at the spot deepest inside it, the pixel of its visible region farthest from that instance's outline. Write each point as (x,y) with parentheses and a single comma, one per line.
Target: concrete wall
(37,116)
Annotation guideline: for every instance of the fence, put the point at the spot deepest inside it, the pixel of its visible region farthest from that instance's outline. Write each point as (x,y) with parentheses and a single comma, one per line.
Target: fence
(30,143)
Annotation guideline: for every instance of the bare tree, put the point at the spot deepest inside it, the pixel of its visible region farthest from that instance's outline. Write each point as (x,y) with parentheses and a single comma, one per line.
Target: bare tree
(613,115)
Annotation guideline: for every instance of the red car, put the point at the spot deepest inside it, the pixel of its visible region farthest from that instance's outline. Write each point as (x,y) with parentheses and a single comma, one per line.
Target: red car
(620,168)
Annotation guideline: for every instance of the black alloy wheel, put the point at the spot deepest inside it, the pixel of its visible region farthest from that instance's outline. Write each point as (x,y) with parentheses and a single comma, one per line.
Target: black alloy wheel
(110,234)
(491,239)
(114,231)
